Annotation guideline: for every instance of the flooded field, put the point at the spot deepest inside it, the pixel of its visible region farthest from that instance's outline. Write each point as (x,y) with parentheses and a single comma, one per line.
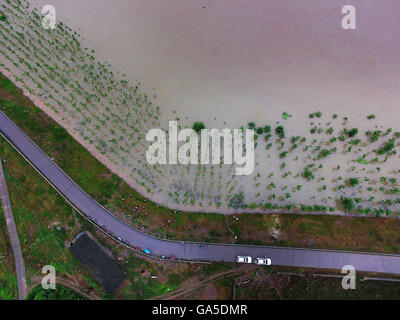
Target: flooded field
(322,100)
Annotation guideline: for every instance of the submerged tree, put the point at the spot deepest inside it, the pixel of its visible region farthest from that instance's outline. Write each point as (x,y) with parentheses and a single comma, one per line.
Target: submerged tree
(198,126)
(280,132)
(348,204)
(353,182)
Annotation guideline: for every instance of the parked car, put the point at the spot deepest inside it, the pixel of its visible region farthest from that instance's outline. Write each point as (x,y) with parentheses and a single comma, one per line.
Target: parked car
(263,261)
(243,259)
(147,251)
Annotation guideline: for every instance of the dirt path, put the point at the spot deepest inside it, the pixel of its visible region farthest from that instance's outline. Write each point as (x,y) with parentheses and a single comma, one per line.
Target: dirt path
(12,230)
(179,293)
(37,280)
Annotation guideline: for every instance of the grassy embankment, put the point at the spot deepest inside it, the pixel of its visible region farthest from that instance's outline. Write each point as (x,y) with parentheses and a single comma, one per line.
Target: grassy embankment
(46,223)
(365,234)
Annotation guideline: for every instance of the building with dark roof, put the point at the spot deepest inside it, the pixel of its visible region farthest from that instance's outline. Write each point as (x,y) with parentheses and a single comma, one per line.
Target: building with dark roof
(95,257)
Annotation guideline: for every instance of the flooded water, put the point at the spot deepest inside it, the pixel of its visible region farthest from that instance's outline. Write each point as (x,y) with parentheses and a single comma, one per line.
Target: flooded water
(237,61)
(230,62)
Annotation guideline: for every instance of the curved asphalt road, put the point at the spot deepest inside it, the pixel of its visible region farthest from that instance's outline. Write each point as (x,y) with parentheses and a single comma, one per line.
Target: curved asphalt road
(188,250)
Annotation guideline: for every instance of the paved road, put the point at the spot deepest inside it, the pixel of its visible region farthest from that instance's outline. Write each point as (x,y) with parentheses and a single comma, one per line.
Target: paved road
(188,250)
(12,231)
